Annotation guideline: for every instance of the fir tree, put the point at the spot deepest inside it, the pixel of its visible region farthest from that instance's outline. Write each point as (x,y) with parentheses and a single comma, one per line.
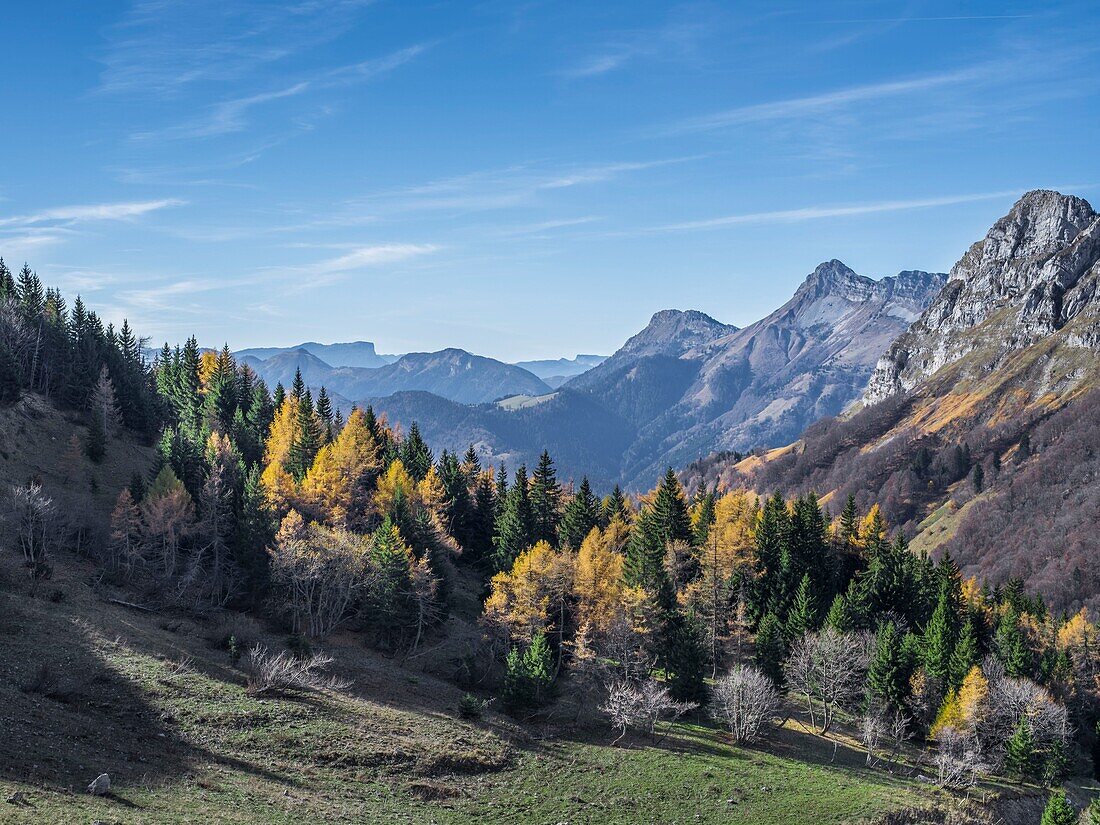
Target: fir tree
(1058,811)
(644,561)
(1020,752)
(415,455)
(840,615)
(682,656)
(670,513)
(939,641)
(545,501)
(965,654)
(298,387)
(514,524)
(615,505)
(803,615)
(770,649)
(703,518)
(581,514)
(887,677)
(1012,647)
(9,377)
(324,412)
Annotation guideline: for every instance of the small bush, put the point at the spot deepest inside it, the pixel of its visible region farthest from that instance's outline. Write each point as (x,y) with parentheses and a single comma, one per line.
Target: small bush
(274,672)
(470,707)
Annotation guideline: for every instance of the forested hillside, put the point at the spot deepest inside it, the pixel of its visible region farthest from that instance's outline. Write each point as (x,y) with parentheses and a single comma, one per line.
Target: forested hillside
(977,434)
(623,613)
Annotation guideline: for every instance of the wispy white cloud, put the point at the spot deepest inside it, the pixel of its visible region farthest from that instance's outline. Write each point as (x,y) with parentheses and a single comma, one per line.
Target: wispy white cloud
(813,213)
(91,212)
(799,107)
(367,256)
(675,41)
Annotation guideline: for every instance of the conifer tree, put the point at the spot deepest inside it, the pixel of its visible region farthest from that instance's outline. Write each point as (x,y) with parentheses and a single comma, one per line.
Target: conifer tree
(615,505)
(545,501)
(1020,752)
(324,412)
(682,656)
(772,537)
(483,520)
(279,396)
(702,518)
(840,615)
(415,455)
(298,387)
(939,641)
(887,677)
(10,388)
(581,514)
(1058,810)
(95,443)
(966,653)
(803,615)
(391,594)
(644,559)
(770,648)
(670,512)
(513,529)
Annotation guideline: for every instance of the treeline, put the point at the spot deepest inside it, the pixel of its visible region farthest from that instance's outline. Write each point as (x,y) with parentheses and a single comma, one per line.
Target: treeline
(67,355)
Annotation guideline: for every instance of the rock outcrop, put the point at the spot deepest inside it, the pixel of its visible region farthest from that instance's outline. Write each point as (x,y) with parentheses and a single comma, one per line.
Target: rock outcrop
(1034,273)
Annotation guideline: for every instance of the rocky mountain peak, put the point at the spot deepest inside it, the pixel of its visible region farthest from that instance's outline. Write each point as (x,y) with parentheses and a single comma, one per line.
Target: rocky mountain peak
(1036,269)
(673,332)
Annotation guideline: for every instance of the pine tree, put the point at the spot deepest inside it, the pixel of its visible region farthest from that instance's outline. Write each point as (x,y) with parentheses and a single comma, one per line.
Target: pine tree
(770,649)
(1020,752)
(581,514)
(887,679)
(1058,811)
(415,455)
(545,501)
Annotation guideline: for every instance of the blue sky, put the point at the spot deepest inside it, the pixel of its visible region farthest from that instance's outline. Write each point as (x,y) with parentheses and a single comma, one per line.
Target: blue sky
(520,179)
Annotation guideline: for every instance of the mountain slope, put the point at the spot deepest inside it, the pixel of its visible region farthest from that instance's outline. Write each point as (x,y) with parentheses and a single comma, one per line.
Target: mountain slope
(1000,372)
(557,371)
(692,385)
(349,354)
(453,374)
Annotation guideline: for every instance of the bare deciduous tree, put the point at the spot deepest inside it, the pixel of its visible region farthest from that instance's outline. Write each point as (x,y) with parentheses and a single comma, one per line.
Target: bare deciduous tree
(958,760)
(32,513)
(642,707)
(744,700)
(827,667)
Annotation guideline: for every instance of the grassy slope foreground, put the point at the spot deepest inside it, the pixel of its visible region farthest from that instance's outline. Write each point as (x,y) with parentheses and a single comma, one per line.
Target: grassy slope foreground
(147,699)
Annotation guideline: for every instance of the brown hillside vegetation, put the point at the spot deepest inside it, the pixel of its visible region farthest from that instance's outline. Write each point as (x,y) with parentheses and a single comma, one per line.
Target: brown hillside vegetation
(991,394)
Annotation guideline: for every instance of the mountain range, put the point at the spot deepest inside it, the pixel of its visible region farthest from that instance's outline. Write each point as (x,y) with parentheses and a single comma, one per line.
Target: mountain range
(683,386)
(979,431)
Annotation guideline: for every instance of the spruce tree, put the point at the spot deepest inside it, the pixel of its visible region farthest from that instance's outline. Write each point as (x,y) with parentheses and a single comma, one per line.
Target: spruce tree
(965,654)
(1012,647)
(513,529)
(1058,811)
(10,388)
(939,642)
(545,501)
(887,677)
(644,559)
(95,443)
(1020,752)
(803,615)
(840,615)
(614,505)
(581,514)
(670,512)
(770,648)
(703,518)
(324,412)
(298,387)
(415,454)
(772,536)
(682,655)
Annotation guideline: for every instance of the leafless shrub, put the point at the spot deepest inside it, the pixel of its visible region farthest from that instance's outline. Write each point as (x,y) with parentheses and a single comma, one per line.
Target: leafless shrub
(274,672)
(879,728)
(1012,700)
(238,629)
(744,700)
(642,707)
(958,760)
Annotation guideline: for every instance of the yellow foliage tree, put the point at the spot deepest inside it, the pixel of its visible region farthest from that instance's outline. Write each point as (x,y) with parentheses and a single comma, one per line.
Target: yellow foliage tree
(208,362)
(395,485)
(597,582)
(281,488)
(431,490)
(532,596)
(1077,632)
(962,709)
(338,484)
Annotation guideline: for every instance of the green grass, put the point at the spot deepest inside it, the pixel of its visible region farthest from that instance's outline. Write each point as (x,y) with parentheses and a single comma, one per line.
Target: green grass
(145,698)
